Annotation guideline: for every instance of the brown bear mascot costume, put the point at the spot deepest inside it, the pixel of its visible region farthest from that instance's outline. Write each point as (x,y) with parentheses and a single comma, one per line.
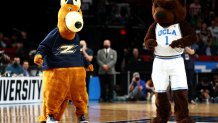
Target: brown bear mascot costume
(63,66)
(167,37)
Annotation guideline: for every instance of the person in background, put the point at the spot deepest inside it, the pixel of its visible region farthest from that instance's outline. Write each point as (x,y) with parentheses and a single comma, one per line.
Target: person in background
(4,58)
(106,59)
(189,60)
(26,71)
(204,90)
(2,42)
(215,70)
(134,60)
(14,69)
(137,88)
(4,61)
(88,57)
(214,97)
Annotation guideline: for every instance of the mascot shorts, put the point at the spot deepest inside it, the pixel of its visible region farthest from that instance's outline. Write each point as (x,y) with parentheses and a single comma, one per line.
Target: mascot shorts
(169,71)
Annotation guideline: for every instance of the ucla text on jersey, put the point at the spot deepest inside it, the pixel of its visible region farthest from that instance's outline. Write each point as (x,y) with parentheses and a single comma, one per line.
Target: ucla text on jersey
(166,32)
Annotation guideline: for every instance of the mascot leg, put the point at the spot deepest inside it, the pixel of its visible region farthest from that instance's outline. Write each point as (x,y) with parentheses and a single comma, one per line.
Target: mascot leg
(55,93)
(78,91)
(181,106)
(163,108)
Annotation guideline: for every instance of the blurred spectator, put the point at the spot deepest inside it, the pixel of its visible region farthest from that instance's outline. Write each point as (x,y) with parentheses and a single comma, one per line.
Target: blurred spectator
(215,89)
(88,57)
(204,90)
(137,88)
(86,5)
(38,71)
(26,70)
(2,42)
(134,59)
(205,34)
(14,68)
(215,70)
(106,59)
(214,31)
(4,60)
(125,59)
(210,50)
(195,8)
(189,60)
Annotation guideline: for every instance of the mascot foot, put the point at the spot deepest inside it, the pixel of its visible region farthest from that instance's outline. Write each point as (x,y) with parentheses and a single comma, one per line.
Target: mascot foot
(51,119)
(158,120)
(82,119)
(186,120)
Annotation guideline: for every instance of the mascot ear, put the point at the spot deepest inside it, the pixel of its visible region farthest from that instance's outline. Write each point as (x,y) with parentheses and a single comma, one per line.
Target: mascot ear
(77,3)
(74,2)
(63,2)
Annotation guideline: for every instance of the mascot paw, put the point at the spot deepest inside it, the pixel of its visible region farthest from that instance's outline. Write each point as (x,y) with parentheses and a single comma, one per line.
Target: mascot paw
(38,59)
(151,44)
(177,44)
(90,68)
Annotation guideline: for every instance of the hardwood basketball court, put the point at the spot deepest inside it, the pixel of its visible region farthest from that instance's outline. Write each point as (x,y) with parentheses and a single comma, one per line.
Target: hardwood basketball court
(122,112)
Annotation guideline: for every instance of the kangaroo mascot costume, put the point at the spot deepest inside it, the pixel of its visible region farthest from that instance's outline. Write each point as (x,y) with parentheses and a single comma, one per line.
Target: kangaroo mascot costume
(167,37)
(63,66)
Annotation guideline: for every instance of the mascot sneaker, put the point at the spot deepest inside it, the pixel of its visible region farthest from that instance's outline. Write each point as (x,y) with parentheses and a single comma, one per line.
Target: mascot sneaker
(82,119)
(50,119)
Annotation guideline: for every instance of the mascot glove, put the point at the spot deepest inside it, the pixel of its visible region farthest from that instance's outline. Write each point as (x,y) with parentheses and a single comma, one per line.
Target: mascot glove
(38,59)
(151,44)
(90,68)
(177,44)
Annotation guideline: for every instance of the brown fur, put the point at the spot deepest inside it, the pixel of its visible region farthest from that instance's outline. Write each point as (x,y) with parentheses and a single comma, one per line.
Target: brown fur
(163,108)
(167,13)
(176,14)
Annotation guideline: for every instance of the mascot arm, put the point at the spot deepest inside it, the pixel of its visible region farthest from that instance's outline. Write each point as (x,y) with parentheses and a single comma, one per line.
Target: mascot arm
(189,36)
(42,50)
(150,38)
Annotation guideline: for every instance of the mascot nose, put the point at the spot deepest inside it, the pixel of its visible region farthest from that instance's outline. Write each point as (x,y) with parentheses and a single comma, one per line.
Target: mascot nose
(160,15)
(78,24)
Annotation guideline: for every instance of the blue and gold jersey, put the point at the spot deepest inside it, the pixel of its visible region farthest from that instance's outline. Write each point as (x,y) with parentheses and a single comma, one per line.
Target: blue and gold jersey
(60,53)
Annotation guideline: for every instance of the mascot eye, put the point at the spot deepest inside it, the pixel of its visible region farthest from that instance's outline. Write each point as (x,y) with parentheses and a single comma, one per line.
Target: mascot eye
(78,10)
(69,9)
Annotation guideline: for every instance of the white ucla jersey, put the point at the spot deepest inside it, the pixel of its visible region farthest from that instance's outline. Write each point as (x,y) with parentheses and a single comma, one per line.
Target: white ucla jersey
(164,37)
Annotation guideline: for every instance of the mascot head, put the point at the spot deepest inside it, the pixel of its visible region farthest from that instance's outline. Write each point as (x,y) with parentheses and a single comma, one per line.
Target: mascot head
(167,12)
(70,19)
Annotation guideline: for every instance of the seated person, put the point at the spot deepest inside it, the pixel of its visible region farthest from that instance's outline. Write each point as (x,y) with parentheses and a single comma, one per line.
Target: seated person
(204,90)
(15,68)
(137,88)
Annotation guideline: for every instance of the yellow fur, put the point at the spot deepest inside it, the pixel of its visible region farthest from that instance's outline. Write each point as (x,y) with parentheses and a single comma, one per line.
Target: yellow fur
(61,85)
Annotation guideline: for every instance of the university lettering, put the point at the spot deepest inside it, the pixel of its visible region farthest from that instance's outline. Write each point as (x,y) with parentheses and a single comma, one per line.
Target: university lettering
(16,90)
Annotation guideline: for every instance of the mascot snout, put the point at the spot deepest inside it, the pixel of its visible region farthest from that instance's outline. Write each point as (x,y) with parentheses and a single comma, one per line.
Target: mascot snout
(74,21)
